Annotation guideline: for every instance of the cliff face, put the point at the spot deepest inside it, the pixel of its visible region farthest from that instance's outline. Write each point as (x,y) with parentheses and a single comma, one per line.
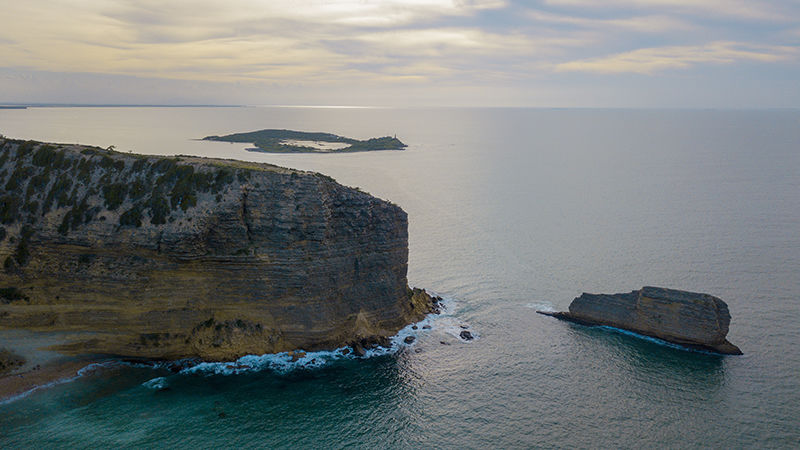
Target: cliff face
(178,257)
(686,318)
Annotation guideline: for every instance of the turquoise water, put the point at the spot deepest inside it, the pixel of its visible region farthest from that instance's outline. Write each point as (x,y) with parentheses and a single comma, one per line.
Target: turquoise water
(510,210)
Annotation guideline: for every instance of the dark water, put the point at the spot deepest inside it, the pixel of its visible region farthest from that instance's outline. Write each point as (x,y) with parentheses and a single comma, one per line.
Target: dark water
(510,210)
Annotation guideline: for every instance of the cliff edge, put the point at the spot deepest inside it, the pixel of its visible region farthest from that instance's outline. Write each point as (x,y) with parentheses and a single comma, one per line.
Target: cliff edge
(690,319)
(158,257)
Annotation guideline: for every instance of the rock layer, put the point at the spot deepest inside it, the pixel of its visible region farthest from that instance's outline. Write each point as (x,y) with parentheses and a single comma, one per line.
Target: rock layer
(193,257)
(687,318)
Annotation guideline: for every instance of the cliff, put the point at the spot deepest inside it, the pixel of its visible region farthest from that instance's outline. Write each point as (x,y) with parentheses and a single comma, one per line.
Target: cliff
(687,318)
(160,257)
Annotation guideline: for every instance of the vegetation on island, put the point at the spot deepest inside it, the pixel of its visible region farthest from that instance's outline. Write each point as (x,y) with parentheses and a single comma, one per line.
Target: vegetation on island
(284,141)
(73,187)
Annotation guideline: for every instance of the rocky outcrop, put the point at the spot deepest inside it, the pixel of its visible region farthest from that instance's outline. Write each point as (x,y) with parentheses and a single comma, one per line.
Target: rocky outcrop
(191,257)
(687,318)
(9,361)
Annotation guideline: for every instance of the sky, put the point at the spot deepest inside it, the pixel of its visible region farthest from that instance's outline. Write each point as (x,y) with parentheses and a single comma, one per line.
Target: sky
(548,53)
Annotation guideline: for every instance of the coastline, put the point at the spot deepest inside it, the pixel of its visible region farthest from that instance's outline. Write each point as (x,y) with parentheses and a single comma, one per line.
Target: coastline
(20,383)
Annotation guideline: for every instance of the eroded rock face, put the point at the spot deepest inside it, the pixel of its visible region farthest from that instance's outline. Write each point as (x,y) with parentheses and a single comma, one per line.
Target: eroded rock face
(192,257)
(687,318)
(9,361)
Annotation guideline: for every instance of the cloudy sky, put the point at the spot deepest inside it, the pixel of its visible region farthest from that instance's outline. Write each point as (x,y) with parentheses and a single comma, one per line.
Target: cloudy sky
(562,53)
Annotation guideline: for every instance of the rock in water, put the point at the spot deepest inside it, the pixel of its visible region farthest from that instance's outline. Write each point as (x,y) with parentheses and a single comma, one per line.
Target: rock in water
(687,318)
(181,257)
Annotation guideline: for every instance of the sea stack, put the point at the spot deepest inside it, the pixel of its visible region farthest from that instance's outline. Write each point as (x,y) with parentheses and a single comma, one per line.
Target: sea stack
(691,319)
(175,257)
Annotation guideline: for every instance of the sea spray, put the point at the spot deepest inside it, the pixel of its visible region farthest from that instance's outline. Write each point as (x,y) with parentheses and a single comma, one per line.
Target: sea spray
(286,362)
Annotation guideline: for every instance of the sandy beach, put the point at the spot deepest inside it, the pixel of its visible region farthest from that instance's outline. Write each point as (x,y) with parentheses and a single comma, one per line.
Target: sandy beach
(21,382)
(42,367)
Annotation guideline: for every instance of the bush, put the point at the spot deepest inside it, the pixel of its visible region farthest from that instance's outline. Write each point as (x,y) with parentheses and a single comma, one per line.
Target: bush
(47,156)
(25,148)
(159,208)
(19,175)
(9,208)
(75,217)
(137,190)
(58,191)
(114,194)
(131,217)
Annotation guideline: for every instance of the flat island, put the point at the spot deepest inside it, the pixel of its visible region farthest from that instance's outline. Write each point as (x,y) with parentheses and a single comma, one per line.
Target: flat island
(289,141)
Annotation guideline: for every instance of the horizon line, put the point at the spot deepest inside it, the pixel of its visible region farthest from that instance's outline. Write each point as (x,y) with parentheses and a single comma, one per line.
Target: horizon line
(14,105)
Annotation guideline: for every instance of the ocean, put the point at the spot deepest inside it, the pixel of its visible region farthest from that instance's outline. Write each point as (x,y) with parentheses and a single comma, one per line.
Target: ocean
(510,211)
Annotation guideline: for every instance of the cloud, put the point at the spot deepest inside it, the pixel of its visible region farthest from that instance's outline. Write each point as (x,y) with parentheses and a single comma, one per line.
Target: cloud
(326,45)
(639,24)
(773,10)
(651,60)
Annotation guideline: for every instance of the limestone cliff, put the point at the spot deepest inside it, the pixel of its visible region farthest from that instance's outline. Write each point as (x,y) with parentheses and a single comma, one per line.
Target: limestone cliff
(687,318)
(191,257)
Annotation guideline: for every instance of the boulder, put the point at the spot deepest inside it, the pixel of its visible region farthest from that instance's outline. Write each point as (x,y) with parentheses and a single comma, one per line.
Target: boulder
(691,319)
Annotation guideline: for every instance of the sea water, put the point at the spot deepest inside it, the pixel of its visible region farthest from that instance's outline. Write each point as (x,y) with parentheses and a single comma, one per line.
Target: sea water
(510,211)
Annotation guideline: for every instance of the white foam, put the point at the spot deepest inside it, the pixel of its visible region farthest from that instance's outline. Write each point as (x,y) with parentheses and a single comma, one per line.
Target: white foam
(285,362)
(541,306)
(157,384)
(656,340)
(81,372)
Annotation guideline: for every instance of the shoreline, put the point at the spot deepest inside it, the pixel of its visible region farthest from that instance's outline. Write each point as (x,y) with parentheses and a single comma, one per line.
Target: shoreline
(21,383)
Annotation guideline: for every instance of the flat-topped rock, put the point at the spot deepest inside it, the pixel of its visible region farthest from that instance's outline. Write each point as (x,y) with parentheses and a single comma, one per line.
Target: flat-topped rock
(690,319)
(168,258)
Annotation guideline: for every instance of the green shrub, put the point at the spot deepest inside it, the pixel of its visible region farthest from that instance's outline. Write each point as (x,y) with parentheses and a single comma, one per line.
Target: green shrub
(22,254)
(131,217)
(159,208)
(139,165)
(25,148)
(32,207)
(47,156)
(114,194)
(164,165)
(137,190)
(58,191)
(85,167)
(106,162)
(20,175)
(75,217)
(9,208)
(223,177)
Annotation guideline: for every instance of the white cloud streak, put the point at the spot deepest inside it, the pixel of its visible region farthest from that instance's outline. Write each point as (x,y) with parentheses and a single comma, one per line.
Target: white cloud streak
(768,10)
(652,60)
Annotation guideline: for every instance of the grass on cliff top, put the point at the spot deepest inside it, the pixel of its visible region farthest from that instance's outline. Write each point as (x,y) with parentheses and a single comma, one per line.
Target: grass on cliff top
(276,141)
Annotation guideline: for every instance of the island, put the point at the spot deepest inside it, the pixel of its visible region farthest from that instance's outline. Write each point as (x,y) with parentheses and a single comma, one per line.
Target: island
(186,257)
(289,141)
(690,319)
